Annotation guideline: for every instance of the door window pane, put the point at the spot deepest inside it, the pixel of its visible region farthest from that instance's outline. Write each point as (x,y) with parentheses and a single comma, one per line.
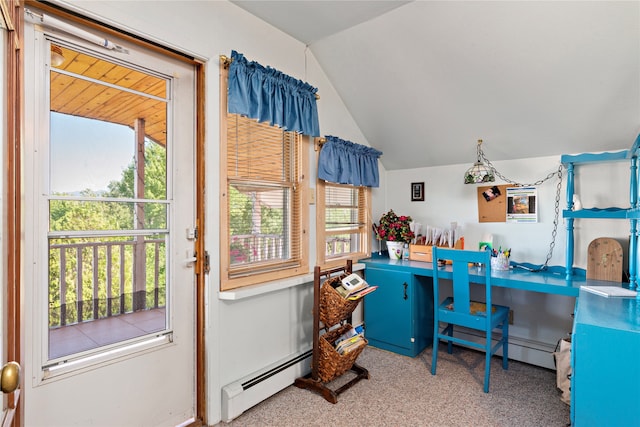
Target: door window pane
(108,207)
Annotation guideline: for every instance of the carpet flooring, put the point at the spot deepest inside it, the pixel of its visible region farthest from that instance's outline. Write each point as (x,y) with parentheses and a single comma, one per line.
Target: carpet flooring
(402,392)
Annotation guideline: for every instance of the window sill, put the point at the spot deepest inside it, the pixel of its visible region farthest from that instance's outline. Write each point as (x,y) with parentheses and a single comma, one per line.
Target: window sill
(265,288)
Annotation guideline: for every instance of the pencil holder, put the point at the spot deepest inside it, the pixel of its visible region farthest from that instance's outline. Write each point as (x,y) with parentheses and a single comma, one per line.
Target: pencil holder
(500,262)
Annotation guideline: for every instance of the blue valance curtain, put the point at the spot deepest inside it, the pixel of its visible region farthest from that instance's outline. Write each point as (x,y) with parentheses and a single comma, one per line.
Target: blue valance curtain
(345,162)
(268,95)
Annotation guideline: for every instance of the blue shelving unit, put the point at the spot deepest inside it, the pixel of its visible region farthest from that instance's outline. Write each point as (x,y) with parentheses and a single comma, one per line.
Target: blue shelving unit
(632,213)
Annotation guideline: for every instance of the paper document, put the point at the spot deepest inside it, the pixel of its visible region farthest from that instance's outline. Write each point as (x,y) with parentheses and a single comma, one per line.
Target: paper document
(610,291)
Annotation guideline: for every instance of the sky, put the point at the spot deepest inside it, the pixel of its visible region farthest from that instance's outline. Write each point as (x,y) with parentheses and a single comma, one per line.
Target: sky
(87,153)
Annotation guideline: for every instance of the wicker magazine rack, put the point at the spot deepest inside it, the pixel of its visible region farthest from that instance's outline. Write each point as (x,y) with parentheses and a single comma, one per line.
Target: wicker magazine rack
(331,313)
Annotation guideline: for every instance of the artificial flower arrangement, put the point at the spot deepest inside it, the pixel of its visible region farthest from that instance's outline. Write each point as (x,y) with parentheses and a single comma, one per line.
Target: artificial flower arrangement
(394,228)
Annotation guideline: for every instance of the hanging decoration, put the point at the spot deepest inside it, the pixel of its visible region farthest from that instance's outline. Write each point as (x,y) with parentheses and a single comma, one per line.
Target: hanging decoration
(479,172)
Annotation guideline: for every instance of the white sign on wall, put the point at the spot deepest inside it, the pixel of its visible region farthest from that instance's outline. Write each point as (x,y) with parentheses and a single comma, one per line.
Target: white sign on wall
(522,204)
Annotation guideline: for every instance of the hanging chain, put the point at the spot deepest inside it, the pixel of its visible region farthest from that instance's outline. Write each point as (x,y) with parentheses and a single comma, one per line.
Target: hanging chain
(505,179)
(554,233)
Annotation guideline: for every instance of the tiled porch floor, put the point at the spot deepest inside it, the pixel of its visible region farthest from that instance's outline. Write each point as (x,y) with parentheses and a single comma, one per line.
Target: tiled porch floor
(88,335)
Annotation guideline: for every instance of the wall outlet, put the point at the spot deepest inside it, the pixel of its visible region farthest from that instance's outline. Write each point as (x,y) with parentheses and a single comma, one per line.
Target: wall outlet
(511,317)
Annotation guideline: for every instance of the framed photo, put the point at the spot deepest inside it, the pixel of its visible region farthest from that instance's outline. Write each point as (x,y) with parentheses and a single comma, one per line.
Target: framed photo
(417,191)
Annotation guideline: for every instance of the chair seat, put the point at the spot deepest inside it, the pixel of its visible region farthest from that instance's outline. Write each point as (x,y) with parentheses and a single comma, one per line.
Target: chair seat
(476,307)
(476,318)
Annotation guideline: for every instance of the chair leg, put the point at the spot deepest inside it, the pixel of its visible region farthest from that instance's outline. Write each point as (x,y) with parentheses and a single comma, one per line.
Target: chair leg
(434,356)
(505,345)
(487,363)
(449,331)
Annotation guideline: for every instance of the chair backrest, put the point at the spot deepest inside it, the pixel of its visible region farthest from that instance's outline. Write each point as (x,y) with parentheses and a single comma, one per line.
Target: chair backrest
(460,275)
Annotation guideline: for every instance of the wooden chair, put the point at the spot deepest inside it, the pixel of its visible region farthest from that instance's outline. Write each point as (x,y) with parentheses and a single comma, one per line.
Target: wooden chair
(460,310)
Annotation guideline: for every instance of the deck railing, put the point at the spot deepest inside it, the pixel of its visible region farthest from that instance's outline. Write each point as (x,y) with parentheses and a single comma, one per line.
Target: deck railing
(247,248)
(337,245)
(95,280)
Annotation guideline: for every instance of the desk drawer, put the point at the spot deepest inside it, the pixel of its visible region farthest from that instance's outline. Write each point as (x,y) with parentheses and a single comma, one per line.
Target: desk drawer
(420,253)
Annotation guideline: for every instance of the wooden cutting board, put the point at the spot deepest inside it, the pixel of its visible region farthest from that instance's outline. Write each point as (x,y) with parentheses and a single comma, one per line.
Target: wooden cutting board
(604,260)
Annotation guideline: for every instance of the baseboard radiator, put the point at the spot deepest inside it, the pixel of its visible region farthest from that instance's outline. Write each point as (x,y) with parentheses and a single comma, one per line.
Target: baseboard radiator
(241,395)
(521,349)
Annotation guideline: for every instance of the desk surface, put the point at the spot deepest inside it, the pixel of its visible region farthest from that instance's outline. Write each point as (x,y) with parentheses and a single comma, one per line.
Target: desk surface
(514,278)
(619,313)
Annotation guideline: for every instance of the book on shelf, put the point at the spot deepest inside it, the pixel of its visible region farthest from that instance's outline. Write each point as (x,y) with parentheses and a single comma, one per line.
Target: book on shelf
(610,291)
(355,293)
(350,340)
(342,291)
(359,294)
(350,345)
(354,331)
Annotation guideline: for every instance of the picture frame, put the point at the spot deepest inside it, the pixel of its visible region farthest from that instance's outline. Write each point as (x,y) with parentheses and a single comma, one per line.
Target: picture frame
(417,191)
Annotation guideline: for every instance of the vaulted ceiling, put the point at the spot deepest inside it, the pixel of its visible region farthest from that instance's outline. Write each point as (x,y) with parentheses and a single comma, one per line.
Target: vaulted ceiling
(425,79)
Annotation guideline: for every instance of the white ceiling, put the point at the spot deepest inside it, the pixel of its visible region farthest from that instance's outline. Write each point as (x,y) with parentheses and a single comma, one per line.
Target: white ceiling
(425,79)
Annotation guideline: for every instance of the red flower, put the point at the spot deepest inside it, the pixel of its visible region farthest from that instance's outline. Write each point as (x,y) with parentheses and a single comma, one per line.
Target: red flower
(394,228)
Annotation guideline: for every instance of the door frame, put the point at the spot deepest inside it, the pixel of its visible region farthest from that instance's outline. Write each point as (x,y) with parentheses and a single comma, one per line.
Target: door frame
(12,14)
(201,264)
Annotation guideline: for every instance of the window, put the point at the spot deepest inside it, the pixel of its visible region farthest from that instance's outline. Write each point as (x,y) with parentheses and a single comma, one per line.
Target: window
(107,200)
(263,195)
(343,223)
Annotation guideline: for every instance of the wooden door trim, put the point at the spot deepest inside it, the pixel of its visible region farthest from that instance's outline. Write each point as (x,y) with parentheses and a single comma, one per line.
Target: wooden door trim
(14,107)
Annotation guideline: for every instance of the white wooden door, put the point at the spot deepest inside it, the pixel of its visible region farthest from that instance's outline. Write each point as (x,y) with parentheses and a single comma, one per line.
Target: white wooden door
(95,355)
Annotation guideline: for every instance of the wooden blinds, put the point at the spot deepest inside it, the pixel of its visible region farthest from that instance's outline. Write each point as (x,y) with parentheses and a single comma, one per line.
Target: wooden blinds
(264,206)
(257,151)
(344,208)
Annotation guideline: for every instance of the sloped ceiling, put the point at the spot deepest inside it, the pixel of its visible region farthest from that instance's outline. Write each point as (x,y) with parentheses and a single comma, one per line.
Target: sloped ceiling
(425,79)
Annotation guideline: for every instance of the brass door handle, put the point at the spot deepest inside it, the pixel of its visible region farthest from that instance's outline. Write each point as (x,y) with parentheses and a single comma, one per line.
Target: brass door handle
(10,377)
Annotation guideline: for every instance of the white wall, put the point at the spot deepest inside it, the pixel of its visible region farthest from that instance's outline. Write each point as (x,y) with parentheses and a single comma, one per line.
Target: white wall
(246,335)
(447,199)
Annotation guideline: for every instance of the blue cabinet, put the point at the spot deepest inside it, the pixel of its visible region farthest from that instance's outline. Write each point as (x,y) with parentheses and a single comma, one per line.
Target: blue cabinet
(605,377)
(398,316)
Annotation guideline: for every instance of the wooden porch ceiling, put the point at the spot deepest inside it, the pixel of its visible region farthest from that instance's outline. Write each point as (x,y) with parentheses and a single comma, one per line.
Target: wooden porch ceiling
(107,90)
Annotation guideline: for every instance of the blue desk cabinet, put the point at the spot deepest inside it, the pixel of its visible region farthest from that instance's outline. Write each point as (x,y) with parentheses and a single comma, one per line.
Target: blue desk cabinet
(398,316)
(606,376)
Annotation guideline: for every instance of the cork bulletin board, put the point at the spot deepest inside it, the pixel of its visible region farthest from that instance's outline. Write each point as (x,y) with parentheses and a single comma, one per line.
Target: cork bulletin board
(492,203)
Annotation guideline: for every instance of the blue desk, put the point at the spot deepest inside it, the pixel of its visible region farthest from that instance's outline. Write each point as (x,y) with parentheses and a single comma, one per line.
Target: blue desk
(515,278)
(399,315)
(606,331)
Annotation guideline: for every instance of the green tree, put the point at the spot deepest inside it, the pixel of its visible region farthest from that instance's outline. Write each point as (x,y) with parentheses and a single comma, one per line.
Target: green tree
(106,256)
(240,206)
(155,184)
